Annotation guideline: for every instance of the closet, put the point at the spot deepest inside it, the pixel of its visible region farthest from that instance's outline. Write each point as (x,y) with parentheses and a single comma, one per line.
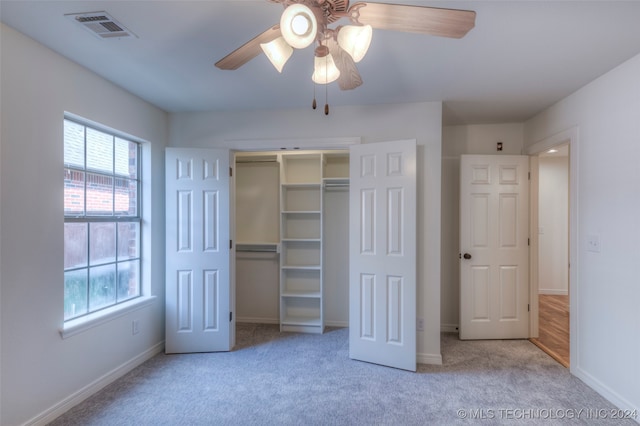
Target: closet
(291,222)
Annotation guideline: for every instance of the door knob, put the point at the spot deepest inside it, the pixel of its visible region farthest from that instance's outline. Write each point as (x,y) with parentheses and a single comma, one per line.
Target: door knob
(467,256)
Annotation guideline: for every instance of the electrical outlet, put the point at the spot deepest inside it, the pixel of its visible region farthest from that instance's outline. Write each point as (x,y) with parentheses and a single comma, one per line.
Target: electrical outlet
(420,324)
(593,243)
(135,329)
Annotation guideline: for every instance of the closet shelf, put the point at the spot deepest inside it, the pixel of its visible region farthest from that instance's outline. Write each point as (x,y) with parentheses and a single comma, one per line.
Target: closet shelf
(301,293)
(303,267)
(302,240)
(306,321)
(300,212)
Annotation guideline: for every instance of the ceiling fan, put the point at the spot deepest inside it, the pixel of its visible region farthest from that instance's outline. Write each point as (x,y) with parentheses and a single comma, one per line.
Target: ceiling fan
(338,49)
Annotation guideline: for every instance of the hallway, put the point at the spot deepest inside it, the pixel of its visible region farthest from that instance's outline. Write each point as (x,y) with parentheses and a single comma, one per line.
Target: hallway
(553,336)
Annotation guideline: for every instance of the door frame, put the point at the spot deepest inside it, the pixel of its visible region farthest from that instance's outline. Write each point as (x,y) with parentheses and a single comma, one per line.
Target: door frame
(569,137)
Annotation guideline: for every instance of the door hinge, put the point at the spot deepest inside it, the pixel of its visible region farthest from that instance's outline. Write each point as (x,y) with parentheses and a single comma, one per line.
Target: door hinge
(528,307)
(529,175)
(230,244)
(528,241)
(230,316)
(230,171)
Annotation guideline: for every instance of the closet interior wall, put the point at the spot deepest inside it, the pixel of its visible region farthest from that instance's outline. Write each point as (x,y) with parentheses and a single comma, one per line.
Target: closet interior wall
(257,213)
(336,240)
(258,245)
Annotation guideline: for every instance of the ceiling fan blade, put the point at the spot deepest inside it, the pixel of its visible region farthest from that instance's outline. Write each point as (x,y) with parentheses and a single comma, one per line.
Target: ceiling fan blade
(416,19)
(349,75)
(249,50)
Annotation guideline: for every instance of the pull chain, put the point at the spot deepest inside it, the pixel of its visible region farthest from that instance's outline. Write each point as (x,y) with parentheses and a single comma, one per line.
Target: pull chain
(314,104)
(326,88)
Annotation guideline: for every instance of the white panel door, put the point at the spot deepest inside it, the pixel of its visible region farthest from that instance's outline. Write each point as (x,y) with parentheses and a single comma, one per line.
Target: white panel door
(382,254)
(197,250)
(494,234)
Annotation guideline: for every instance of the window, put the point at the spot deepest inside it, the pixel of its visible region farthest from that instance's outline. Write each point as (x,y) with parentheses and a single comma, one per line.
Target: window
(101,219)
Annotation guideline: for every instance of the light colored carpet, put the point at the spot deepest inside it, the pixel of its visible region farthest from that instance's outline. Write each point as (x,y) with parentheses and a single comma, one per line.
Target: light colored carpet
(275,378)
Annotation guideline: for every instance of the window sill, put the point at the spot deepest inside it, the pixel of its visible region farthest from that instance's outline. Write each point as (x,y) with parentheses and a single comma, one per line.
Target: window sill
(87,322)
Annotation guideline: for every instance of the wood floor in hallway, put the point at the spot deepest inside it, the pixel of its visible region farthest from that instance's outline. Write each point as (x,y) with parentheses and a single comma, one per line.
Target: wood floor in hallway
(553,336)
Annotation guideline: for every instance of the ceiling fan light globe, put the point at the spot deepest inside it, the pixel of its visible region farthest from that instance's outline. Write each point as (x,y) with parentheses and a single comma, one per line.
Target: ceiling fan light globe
(298,25)
(355,40)
(278,52)
(325,70)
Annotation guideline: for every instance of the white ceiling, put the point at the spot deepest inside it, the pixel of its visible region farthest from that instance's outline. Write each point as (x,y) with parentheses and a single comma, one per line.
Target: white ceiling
(521,57)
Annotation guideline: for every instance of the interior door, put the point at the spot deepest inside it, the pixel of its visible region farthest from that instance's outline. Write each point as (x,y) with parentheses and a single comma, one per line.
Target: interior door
(382,254)
(494,244)
(197,250)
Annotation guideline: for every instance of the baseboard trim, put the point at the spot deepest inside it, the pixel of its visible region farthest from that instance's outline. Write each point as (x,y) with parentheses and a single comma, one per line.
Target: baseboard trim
(434,359)
(610,395)
(341,324)
(448,328)
(77,397)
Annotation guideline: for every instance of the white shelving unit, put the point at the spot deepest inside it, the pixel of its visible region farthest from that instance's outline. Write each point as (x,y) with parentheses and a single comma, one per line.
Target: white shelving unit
(303,179)
(301,307)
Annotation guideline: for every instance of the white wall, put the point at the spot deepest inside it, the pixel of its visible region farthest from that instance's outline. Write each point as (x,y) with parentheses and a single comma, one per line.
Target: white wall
(377,123)
(605,343)
(40,371)
(478,139)
(553,225)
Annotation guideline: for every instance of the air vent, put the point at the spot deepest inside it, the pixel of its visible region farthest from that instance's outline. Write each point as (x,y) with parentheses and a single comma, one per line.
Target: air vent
(101,24)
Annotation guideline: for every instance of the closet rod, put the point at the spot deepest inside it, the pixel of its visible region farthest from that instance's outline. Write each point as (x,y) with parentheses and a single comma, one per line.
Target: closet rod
(336,182)
(257,248)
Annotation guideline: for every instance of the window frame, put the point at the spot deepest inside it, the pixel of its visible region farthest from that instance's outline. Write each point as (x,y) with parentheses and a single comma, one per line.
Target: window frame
(91,316)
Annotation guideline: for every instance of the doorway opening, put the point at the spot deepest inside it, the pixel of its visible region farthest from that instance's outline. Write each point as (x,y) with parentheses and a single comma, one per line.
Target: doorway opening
(313,186)
(551,225)
(291,231)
